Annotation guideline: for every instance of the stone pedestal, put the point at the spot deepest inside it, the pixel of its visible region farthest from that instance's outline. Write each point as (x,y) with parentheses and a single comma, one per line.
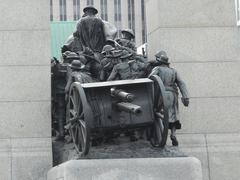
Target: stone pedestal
(134,169)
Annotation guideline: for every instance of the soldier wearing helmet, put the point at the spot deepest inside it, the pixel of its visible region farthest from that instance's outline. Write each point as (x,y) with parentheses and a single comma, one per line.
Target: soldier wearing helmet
(129,68)
(127,40)
(90,30)
(80,72)
(111,58)
(172,82)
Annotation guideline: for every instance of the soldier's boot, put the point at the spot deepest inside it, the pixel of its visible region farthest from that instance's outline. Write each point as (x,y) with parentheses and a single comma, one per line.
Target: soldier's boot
(61,116)
(173,137)
(174,140)
(60,137)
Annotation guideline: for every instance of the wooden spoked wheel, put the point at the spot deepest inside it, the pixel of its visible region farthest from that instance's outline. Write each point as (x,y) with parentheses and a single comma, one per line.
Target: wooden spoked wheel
(157,134)
(79,115)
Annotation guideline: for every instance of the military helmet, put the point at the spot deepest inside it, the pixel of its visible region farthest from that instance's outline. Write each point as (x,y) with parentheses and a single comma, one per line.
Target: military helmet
(125,54)
(76,64)
(90,8)
(162,57)
(110,42)
(70,55)
(107,48)
(116,53)
(128,31)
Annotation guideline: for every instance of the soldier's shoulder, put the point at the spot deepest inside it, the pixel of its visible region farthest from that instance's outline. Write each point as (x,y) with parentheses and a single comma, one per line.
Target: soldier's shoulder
(156,68)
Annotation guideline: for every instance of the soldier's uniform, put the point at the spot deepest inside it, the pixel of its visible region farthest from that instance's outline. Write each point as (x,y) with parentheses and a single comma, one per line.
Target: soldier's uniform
(172,82)
(127,42)
(79,73)
(111,58)
(128,69)
(90,30)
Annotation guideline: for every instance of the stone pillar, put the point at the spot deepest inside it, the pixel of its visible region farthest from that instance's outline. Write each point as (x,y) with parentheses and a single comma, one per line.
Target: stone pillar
(25,120)
(203,43)
(56,10)
(69,4)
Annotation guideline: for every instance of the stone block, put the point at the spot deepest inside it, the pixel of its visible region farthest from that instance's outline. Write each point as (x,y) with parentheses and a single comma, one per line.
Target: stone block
(216,79)
(25,119)
(5,159)
(194,145)
(207,44)
(24,15)
(211,115)
(191,13)
(224,156)
(25,83)
(122,169)
(25,47)
(31,158)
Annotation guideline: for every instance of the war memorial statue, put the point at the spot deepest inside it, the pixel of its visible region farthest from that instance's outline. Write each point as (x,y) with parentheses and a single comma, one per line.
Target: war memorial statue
(172,81)
(107,89)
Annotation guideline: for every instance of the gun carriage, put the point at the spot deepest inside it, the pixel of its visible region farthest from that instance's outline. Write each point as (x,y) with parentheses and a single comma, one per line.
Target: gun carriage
(96,109)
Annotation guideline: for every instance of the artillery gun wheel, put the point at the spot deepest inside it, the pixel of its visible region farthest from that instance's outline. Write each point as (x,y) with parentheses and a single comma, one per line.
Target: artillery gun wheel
(79,115)
(157,135)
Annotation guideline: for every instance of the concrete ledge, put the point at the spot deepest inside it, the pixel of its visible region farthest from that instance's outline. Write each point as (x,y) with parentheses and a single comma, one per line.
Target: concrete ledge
(187,168)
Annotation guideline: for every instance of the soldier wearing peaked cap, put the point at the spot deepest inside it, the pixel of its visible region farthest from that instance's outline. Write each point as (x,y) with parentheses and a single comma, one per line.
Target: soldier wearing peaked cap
(172,82)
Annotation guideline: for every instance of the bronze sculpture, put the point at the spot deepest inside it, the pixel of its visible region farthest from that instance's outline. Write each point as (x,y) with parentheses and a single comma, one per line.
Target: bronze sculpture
(127,41)
(90,30)
(172,81)
(94,104)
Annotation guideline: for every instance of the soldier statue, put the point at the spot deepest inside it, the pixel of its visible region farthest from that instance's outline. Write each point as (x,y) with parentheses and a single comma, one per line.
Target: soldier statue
(172,82)
(90,30)
(111,58)
(129,68)
(80,72)
(127,41)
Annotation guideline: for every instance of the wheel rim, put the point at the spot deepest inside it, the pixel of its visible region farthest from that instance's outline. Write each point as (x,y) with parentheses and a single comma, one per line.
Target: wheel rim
(78,117)
(158,133)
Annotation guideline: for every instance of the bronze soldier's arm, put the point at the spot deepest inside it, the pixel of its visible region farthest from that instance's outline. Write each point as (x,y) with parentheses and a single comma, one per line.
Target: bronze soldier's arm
(183,89)
(113,74)
(154,72)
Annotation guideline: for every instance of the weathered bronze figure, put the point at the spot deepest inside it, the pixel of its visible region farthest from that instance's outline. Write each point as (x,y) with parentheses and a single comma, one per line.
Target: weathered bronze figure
(110,89)
(172,81)
(90,30)
(127,41)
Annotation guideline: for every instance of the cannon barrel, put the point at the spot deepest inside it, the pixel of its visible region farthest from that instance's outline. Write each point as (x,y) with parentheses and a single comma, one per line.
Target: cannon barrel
(129,107)
(122,95)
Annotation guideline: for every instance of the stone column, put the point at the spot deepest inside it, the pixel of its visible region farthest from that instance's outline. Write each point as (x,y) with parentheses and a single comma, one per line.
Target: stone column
(25,120)
(56,10)
(69,4)
(203,43)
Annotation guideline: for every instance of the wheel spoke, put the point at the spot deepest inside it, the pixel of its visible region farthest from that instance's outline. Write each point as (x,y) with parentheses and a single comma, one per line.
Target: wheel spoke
(161,125)
(83,129)
(81,139)
(72,112)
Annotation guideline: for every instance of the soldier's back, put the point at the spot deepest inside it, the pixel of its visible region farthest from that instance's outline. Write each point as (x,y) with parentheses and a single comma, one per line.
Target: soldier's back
(168,75)
(123,70)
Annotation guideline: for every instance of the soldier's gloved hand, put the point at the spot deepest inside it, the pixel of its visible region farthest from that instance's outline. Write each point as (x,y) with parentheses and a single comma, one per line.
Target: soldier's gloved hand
(185,101)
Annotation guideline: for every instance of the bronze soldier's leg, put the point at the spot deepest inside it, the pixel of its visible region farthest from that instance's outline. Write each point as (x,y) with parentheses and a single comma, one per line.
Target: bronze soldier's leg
(173,136)
(61,115)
